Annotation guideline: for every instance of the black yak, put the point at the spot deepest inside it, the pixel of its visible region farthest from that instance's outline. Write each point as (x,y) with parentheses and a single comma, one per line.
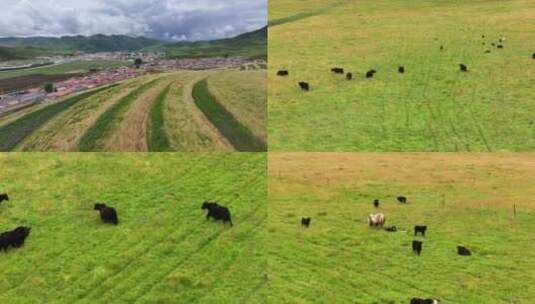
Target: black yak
(304,86)
(349,76)
(376,203)
(282,73)
(370,73)
(463,67)
(107,214)
(337,70)
(463,251)
(420,229)
(441,47)
(417,247)
(376,220)
(533,56)
(401,69)
(423,301)
(487,52)
(391,229)
(217,212)
(4,197)
(402,199)
(305,221)
(14,238)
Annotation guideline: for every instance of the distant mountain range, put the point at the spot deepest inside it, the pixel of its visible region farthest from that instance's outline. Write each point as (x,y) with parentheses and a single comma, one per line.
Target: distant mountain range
(249,44)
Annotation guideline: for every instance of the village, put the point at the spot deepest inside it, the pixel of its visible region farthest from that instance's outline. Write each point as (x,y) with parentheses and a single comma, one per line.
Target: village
(152,63)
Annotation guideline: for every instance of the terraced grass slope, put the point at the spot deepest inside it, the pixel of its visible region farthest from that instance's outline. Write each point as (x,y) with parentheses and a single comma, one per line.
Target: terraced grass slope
(464,199)
(244,94)
(433,106)
(15,132)
(241,137)
(155,112)
(94,138)
(162,251)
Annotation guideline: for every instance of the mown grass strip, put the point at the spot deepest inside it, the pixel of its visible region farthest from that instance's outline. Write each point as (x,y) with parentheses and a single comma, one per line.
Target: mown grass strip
(157,136)
(90,141)
(15,132)
(237,134)
(305,15)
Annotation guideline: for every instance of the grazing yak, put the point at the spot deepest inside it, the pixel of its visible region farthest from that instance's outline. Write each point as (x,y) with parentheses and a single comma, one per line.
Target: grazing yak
(107,214)
(337,70)
(463,67)
(487,52)
(402,199)
(305,221)
(376,220)
(500,46)
(441,47)
(349,76)
(423,301)
(304,86)
(282,73)
(533,56)
(217,212)
(420,229)
(417,247)
(4,197)
(463,251)
(14,238)
(391,229)
(401,69)
(370,73)
(376,203)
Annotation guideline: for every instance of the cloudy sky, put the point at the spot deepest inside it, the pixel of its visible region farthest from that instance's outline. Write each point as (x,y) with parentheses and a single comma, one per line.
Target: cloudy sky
(164,19)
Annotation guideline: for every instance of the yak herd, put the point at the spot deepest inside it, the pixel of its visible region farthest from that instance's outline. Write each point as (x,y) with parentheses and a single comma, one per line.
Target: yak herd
(305,86)
(15,238)
(377,220)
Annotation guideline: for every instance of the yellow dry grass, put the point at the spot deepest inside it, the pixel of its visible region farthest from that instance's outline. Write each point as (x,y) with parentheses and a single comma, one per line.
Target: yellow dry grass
(490,179)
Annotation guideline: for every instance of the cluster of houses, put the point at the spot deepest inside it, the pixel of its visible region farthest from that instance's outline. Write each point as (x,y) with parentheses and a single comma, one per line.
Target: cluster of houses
(203,63)
(24,98)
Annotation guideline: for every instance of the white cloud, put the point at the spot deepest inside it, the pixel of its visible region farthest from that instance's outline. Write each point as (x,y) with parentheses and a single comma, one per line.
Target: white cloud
(165,19)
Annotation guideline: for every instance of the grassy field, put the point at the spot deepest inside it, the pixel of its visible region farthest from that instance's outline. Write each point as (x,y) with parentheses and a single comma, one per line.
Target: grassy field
(65,68)
(162,251)
(464,199)
(433,106)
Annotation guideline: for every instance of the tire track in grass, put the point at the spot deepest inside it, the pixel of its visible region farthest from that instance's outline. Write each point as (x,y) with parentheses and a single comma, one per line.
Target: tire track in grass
(237,134)
(157,137)
(183,236)
(145,273)
(305,15)
(92,138)
(15,132)
(189,256)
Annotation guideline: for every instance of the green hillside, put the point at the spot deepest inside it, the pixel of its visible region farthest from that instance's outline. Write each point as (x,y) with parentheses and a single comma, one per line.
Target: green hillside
(252,44)
(90,44)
